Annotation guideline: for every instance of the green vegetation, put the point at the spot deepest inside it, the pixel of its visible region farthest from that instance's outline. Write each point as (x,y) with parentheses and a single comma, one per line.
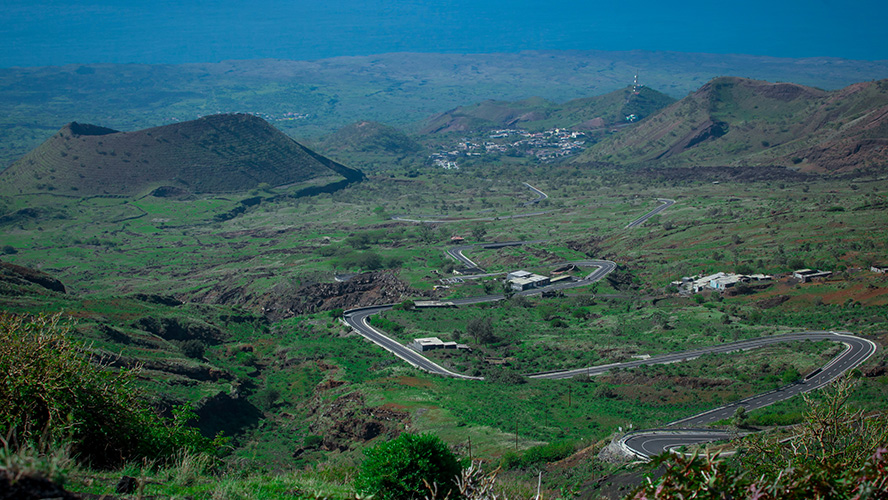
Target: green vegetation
(53,393)
(408,467)
(836,452)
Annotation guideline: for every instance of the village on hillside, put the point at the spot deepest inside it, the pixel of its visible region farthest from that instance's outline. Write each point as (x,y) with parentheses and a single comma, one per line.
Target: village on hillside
(543,146)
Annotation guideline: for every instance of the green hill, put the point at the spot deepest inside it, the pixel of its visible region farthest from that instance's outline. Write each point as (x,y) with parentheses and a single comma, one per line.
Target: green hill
(370,137)
(538,114)
(740,121)
(214,154)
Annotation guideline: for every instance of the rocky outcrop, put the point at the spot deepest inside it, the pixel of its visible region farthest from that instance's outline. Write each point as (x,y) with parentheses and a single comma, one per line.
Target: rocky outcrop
(179,329)
(348,420)
(20,275)
(365,289)
(30,486)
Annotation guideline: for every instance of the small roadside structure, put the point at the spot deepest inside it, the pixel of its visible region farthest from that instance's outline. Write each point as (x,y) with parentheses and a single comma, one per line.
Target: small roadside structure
(432,343)
(807,275)
(467,270)
(880,269)
(457,239)
(434,303)
(525,280)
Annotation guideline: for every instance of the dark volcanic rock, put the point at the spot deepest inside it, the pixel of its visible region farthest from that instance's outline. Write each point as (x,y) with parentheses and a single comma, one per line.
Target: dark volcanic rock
(226,413)
(126,485)
(176,329)
(164,300)
(17,274)
(365,289)
(30,487)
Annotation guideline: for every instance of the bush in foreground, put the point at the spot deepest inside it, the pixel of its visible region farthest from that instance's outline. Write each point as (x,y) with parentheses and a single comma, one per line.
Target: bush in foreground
(54,390)
(402,468)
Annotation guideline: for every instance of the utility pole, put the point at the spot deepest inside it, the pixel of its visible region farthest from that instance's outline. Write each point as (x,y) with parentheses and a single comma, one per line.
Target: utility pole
(568,396)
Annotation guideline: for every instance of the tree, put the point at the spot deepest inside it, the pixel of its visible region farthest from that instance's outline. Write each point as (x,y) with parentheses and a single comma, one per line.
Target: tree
(481,329)
(478,231)
(401,468)
(428,233)
(194,348)
(741,418)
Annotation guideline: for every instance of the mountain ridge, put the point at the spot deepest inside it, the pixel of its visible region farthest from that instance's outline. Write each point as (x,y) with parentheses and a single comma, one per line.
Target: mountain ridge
(537,113)
(739,121)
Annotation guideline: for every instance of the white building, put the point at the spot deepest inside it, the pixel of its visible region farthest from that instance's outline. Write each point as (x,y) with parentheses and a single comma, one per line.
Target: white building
(431,343)
(524,280)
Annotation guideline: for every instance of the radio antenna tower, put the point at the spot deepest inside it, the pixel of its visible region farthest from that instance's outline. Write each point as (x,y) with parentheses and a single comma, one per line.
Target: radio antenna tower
(635,84)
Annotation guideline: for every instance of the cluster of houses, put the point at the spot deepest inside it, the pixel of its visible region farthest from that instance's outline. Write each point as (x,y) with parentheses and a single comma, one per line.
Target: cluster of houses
(725,281)
(546,145)
(719,281)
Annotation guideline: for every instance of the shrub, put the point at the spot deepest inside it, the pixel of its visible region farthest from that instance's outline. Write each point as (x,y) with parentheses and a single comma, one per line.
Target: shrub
(546,453)
(194,348)
(400,468)
(267,398)
(313,441)
(9,250)
(54,391)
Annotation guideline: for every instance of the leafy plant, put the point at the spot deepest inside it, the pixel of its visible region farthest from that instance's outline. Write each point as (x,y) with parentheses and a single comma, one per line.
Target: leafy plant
(55,391)
(402,467)
(194,348)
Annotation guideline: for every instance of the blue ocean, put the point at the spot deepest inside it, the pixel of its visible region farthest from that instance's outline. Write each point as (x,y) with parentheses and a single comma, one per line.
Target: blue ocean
(53,32)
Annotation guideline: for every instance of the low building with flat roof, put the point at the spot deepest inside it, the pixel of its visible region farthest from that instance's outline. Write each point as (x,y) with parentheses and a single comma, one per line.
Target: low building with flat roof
(807,275)
(431,343)
(526,283)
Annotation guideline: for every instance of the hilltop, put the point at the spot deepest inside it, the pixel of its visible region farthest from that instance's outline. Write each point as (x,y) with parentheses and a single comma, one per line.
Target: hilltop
(537,113)
(371,137)
(749,122)
(213,154)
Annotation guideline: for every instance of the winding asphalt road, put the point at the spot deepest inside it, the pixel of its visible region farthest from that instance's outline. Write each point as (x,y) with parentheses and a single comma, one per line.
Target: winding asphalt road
(644,443)
(358,318)
(666,203)
(456,252)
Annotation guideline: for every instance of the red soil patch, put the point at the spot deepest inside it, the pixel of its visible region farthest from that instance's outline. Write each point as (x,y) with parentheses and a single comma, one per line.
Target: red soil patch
(866,294)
